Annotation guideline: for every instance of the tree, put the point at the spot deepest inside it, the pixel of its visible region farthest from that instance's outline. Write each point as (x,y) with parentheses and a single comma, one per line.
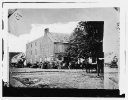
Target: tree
(86,40)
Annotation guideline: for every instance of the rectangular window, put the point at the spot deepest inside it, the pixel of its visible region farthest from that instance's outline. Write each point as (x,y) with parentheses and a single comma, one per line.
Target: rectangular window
(35,51)
(40,59)
(35,44)
(35,59)
(31,61)
(60,47)
(31,45)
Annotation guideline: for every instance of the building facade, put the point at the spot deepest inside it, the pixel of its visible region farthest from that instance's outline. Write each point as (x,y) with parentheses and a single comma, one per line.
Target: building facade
(47,48)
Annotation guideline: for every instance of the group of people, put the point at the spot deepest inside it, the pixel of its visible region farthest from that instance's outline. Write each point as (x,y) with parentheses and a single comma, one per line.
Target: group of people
(49,65)
(64,65)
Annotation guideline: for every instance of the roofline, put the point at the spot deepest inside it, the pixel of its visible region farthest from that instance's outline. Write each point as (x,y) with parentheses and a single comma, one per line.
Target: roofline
(57,33)
(50,38)
(62,42)
(60,33)
(35,40)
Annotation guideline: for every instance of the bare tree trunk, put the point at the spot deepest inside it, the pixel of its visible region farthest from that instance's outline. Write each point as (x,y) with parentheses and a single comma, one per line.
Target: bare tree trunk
(98,66)
(102,64)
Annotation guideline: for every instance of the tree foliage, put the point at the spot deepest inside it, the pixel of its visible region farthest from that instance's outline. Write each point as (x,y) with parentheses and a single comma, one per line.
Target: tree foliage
(85,39)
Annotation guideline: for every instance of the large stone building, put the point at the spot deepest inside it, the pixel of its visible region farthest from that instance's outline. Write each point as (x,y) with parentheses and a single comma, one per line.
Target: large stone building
(47,48)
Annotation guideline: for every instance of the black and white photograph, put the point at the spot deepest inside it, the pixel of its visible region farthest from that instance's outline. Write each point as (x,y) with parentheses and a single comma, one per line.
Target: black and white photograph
(64,48)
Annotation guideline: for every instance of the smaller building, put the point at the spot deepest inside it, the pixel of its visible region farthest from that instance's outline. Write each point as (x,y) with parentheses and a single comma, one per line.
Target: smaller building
(15,57)
(50,47)
(11,55)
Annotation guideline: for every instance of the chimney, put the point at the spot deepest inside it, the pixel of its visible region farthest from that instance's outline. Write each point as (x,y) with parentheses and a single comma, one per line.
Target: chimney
(46,31)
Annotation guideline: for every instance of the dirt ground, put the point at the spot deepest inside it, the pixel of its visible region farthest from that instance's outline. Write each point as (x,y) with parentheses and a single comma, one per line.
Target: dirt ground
(111,78)
(40,78)
(64,78)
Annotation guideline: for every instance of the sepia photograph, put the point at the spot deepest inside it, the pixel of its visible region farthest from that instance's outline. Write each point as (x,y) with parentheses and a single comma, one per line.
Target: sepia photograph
(64,48)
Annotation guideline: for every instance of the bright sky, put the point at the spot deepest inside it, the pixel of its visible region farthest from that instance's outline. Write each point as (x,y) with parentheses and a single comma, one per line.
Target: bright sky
(33,22)
(19,43)
(38,29)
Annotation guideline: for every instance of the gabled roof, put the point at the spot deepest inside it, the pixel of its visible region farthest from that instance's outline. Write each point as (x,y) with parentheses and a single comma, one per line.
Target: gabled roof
(19,55)
(56,37)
